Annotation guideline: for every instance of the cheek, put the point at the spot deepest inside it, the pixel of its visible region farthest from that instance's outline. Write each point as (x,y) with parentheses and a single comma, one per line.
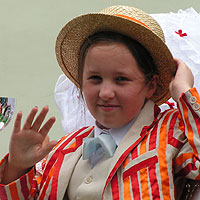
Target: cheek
(90,93)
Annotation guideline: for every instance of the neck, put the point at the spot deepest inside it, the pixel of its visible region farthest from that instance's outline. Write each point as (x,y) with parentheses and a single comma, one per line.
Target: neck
(101,126)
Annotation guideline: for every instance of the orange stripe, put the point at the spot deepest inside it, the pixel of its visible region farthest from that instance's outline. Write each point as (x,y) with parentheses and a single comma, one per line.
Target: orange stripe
(143,146)
(162,157)
(125,163)
(144,183)
(189,128)
(73,145)
(132,19)
(39,179)
(47,183)
(127,193)
(63,138)
(13,191)
(182,158)
(195,93)
(60,141)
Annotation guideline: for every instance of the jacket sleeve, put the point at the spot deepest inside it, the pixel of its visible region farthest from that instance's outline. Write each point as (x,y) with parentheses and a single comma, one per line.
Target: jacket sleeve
(28,186)
(22,188)
(187,162)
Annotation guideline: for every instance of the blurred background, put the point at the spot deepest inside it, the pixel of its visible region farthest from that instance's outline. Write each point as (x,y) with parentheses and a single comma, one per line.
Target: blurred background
(28,31)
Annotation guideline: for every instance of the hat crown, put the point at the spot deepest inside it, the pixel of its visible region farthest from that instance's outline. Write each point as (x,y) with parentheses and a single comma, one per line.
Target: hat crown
(136,15)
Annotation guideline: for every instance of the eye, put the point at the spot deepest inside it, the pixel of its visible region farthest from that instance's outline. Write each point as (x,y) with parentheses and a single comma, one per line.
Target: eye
(95,78)
(122,79)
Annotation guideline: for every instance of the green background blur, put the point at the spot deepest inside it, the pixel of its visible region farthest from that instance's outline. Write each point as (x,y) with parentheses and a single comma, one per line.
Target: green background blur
(28,66)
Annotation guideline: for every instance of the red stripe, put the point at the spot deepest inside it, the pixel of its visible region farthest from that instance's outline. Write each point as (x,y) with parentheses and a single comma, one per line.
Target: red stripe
(144,164)
(156,111)
(135,187)
(153,134)
(115,188)
(172,140)
(153,138)
(186,170)
(79,141)
(55,155)
(3,195)
(134,154)
(154,182)
(53,195)
(24,187)
(121,159)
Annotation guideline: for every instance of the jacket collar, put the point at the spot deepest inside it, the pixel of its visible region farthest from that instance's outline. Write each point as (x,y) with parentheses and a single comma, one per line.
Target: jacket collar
(133,137)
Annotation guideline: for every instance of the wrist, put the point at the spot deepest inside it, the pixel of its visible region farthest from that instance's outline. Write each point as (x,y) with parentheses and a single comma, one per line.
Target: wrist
(11,172)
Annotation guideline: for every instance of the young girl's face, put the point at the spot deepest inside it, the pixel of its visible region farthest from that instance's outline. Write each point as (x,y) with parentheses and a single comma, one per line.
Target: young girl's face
(113,85)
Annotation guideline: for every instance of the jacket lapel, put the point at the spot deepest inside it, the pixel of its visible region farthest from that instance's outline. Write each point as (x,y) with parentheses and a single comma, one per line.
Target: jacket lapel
(133,137)
(69,161)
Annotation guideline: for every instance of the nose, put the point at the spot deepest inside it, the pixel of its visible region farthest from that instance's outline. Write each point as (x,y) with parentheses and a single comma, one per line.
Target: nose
(106,91)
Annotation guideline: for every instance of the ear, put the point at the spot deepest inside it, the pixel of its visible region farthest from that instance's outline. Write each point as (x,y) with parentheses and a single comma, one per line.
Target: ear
(152,86)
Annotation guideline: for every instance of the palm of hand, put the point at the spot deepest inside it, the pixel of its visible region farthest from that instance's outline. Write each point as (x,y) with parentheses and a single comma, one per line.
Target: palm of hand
(26,144)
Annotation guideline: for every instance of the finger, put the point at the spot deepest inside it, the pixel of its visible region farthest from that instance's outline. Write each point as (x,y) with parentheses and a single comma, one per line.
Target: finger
(39,120)
(17,124)
(47,126)
(30,118)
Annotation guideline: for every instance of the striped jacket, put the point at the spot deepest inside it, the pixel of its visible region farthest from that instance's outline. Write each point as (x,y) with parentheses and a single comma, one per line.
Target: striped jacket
(144,166)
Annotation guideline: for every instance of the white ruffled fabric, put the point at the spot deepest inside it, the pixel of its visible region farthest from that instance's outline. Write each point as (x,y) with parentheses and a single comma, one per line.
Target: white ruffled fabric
(71,105)
(74,111)
(187,48)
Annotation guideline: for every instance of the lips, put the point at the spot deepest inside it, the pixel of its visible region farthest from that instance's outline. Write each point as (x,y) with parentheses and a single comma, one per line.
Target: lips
(108,107)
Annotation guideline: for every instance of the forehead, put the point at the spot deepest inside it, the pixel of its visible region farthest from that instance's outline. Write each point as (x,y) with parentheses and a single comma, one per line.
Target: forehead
(111,51)
(110,56)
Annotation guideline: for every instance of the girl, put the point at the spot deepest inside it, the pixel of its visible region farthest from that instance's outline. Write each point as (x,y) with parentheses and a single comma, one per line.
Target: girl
(119,61)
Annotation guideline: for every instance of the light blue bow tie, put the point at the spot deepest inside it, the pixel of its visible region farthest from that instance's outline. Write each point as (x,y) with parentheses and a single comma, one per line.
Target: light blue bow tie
(103,141)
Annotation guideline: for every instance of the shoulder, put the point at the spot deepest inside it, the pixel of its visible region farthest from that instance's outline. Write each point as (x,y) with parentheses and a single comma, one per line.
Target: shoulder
(67,140)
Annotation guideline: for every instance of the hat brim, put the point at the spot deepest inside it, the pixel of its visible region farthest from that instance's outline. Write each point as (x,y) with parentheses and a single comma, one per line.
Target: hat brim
(74,33)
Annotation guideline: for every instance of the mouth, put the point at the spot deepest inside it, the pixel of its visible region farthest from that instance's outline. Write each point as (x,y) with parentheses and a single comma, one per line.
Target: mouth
(108,107)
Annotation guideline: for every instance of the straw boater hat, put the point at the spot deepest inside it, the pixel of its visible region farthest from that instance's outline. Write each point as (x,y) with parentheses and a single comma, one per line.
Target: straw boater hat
(123,19)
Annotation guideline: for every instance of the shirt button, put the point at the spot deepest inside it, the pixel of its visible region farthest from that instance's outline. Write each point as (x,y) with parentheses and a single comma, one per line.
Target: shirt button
(196,106)
(88,179)
(193,99)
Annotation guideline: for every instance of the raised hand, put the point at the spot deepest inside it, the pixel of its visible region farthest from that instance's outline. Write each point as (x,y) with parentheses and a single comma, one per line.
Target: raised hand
(26,148)
(182,81)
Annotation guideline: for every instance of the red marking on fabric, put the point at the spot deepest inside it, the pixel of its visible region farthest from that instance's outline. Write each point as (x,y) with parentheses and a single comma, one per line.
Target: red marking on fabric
(156,111)
(132,19)
(115,188)
(144,164)
(135,187)
(186,170)
(79,141)
(134,153)
(153,138)
(172,140)
(180,33)
(170,104)
(13,190)
(24,188)
(146,128)
(3,195)
(53,194)
(121,159)
(55,155)
(154,182)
